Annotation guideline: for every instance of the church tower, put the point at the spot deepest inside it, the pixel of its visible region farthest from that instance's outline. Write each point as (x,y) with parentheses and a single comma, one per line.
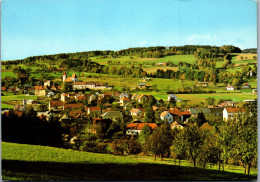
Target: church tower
(64,76)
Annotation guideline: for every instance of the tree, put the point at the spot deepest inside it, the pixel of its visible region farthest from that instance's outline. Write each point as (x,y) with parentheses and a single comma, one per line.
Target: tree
(64,87)
(235,82)
(149,114)
(178,148)
(193,140)
(143,136)
(160,141)
(210,101)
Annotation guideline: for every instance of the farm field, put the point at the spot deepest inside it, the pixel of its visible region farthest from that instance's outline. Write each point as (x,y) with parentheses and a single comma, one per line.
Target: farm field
(196,98)
(32,162)
(10,100)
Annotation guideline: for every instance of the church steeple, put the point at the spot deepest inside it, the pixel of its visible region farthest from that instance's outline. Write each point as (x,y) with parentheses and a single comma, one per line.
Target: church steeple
(64,76)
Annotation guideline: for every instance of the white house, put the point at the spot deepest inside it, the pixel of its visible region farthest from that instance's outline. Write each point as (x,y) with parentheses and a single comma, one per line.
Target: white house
(231,113)
(136,128)
(166,116)
(135,112)
(230,87)
(172,96)
(47,83)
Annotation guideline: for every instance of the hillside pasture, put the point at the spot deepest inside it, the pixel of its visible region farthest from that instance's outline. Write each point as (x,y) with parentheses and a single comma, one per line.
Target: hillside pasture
(5,73)
(32,162)
(164,68)
(244,55)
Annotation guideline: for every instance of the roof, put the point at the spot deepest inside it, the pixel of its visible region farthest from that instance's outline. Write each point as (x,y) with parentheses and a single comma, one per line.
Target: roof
(175,123)
(68,106)
(56,103)
(229,86)
(206,126)
(124,98)
(18,113)
(216,110)
(139,126)
(178,112)
(74,75)
(61,69)
(48,81)
(163,114)
(135,110)
(235,109)
(75,114)
(94,108)
(112,114)
(79,83)
(64,73)
(141,84)
(68,79)
(39,87)
(197,110)
(155,108)
(3,88)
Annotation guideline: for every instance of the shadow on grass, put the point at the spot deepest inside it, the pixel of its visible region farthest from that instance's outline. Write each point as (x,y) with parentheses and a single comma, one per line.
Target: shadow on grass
(23,170)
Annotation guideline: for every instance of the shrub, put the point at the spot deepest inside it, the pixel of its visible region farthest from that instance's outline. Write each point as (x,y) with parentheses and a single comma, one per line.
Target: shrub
(95,147)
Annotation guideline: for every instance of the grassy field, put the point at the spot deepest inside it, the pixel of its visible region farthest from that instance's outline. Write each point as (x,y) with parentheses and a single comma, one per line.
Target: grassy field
(196,98)
(5,73)
(32,162)
(244,55)
(10,100)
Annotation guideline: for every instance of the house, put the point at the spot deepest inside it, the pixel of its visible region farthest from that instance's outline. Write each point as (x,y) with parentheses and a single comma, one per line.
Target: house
(135,112)
(172,96)
(230,113)
(136,128)
(17,113)
(47,83)
(64,97)
(142,98)
(73,106)
(113,115)
(126,95)
(195,111)
(254,91)
(217,111)
(161,64)
(40,90)
(61,69)
(90,85)
(176,125)
(3,89)
(230,87)
(166,116)
(75,114)
(50,94)
(46,115)
(179,115)
(141,85)
(73,78)
(56,105)
(91,110)
(227,104)
(251,73)
(246,85)
(18,107)
(202,84)
(124,101)
(27,87)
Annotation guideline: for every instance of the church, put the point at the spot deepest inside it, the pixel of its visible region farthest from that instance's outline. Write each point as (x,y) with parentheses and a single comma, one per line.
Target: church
(73,78)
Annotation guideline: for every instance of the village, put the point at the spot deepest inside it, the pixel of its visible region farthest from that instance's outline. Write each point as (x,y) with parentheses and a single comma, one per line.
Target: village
(103,106)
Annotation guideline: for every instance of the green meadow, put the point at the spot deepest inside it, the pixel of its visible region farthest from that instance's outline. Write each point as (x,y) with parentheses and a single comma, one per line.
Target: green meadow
(33,162)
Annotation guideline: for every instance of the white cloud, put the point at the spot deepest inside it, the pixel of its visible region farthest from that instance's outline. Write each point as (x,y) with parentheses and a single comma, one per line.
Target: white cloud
(143,43)
(201,38)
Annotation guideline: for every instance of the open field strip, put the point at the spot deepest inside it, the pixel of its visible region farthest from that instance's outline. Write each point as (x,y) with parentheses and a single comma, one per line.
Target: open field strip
(33,162)
(196,98)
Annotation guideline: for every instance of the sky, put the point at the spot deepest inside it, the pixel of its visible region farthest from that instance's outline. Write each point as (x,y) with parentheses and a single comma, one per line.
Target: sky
(42,27)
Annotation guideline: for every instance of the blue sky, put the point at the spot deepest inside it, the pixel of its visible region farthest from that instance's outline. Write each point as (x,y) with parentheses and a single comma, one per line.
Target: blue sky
(40,27)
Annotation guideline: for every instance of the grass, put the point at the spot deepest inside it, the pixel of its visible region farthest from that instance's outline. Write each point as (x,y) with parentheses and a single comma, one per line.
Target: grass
(5,73)
(10,100)
(32,162)
(196,98)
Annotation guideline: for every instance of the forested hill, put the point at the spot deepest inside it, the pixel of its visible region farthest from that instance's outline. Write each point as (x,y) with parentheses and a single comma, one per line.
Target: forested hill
(142,52)
(251,50)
